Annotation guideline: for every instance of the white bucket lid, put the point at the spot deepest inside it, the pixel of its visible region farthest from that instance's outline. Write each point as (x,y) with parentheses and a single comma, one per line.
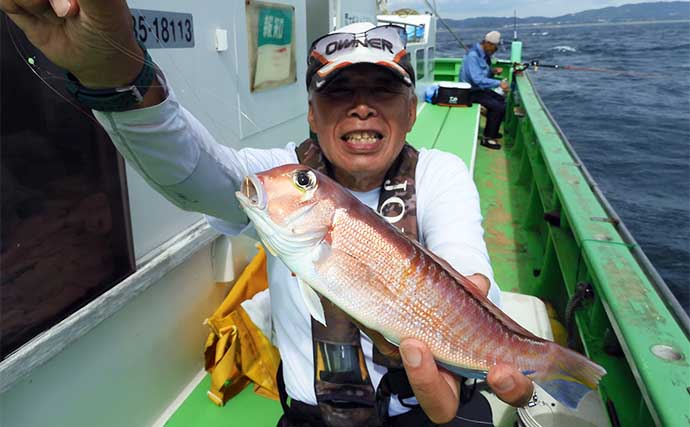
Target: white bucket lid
(545,411)
(456,85)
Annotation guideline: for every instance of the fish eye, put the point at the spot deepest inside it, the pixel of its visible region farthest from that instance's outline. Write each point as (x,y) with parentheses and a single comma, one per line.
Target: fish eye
(305,180)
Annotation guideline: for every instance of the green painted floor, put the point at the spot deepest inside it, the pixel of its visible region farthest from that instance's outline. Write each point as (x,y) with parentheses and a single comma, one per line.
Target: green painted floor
(448,129)
(247,409)
(502,203)
(457,130)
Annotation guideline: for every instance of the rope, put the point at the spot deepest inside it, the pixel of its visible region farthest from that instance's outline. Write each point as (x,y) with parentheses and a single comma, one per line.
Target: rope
(582,292)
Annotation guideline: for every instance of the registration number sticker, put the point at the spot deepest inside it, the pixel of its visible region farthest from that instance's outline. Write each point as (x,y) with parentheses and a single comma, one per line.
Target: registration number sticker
(159,29)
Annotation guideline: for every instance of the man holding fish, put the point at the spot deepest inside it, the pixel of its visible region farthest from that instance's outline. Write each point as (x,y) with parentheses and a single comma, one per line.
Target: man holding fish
(361,106)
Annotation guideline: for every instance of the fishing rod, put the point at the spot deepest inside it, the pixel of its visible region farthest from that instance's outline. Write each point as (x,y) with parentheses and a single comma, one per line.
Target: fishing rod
(535,65)
(433,9)
(515,37)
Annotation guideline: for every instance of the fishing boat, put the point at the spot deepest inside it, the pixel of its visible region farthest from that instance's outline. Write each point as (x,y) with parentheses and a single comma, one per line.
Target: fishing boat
(105,293)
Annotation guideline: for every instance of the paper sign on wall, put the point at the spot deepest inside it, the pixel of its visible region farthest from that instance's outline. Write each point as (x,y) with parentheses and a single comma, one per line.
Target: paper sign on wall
(271,45)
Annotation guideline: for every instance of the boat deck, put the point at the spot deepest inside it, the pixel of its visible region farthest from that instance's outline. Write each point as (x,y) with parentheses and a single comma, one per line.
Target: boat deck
(501,205)
(452,129)
(245,409)
(456,130)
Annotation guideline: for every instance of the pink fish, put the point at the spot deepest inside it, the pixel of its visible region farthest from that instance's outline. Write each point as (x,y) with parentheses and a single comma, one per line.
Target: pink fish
(342,250)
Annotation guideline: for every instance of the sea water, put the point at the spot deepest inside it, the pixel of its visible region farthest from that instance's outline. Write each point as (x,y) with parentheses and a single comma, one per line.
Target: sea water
(631,131)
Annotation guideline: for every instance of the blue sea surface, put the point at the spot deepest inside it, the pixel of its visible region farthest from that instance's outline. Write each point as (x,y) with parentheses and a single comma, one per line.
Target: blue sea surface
(631,131)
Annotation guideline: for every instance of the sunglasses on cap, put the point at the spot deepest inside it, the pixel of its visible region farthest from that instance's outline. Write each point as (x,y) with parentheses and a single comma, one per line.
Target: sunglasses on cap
(383,45)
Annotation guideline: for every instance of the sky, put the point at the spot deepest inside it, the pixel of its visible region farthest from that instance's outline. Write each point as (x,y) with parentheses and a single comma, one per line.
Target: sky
(459,9)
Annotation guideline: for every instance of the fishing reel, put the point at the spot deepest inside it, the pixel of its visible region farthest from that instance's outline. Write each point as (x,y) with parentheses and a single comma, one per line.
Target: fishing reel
(518,68)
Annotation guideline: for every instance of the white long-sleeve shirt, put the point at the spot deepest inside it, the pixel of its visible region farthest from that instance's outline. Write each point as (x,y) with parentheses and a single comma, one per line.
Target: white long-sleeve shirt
(180,159)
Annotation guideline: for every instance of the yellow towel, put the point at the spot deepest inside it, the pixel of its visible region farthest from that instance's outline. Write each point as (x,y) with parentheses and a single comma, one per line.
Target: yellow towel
(237,352)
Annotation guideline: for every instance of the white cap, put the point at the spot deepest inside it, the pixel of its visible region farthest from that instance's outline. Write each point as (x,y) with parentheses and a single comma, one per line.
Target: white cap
(493,37)
(323,65)
(357,27)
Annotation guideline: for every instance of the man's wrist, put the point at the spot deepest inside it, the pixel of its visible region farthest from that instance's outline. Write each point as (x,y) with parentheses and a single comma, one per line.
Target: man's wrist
(132,95)
(124,69)
(154,96)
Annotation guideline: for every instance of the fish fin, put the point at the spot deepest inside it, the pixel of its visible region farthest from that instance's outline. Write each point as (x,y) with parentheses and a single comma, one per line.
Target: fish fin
(384,345)
(463,372)
(391,340)
(269,247)
(322,252)
(312,301)
(569,377)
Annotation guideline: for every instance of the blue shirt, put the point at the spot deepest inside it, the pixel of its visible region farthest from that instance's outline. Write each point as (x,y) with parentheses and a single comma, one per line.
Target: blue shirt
(476,70)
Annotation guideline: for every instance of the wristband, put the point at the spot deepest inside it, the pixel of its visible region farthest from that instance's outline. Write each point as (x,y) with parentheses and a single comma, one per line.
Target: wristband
(114,99)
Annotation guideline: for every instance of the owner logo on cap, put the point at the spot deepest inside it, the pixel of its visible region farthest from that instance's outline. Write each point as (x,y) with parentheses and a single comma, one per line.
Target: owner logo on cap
(363,42)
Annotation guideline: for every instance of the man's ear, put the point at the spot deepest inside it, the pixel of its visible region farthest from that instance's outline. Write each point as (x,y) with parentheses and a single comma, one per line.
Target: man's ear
(413,111)
(310,117)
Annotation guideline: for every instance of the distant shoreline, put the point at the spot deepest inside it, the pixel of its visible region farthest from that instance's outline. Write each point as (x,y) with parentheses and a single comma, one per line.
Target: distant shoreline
(588,24)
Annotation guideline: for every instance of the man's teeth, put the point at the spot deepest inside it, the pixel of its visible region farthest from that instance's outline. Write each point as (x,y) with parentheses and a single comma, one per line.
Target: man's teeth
(365,137)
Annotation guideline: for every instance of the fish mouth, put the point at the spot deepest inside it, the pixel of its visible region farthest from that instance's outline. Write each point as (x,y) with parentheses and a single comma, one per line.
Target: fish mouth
(252,193)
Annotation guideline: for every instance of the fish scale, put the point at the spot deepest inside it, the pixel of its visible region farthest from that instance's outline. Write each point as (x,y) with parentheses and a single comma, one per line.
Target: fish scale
(357,240)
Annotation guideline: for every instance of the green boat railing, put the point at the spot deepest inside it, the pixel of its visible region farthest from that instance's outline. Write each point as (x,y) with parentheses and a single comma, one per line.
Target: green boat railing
(588,266)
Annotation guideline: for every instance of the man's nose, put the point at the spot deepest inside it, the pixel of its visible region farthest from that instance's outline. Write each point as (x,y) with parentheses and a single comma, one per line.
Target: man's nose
(362,106)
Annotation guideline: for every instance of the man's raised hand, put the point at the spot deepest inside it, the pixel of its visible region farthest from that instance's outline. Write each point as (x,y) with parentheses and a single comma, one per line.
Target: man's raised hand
(92,39)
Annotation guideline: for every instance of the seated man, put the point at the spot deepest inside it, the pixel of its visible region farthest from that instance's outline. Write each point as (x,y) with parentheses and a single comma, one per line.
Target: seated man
(486,90)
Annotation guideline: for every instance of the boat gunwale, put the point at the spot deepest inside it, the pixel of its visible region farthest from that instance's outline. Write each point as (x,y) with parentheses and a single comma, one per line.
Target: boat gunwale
(598,253)
(645,264)
(48,344)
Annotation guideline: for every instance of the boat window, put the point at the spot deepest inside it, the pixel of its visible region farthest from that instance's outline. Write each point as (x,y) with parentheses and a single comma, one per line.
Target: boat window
(65,236)
(415,33)
(420,64)
(430,61)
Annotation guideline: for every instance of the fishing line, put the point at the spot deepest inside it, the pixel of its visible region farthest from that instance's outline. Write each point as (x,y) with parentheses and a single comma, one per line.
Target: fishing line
(535,65)
(33,65)
(433,9)
(196,92)
(49,79)
(53,81)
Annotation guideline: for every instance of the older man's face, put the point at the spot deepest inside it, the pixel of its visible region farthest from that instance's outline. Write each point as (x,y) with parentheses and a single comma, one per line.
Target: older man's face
(361,118)
(489,48)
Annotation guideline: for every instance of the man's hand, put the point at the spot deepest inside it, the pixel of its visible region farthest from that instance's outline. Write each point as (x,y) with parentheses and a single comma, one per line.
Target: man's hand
(498,70)
(92,39)
(505,86)
(438,391)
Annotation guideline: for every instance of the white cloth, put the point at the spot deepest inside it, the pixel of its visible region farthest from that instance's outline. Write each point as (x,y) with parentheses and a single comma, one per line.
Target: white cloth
(179,158)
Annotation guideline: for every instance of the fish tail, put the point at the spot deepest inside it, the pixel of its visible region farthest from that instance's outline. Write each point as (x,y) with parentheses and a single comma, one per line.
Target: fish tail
(569,376)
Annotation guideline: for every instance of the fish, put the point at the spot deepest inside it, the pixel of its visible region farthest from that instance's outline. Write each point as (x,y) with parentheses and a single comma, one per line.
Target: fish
(343,251)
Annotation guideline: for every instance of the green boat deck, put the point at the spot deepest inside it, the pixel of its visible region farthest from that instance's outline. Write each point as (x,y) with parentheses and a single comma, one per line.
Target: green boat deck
(451,129)
(245,409)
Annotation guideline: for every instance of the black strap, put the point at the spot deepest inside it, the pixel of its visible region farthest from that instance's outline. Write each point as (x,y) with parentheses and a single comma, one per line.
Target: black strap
(296,414)
(282,392)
